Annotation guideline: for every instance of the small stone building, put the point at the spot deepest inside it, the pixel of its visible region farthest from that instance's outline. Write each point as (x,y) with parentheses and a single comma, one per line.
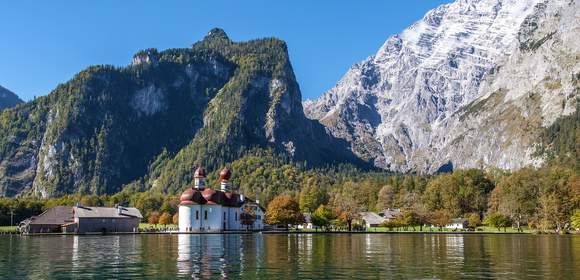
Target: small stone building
(371,219)
(104,219)
(80,219)
(49,221)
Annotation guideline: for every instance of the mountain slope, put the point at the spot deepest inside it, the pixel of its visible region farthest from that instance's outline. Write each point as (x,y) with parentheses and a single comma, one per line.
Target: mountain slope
(8,99)
(157,118)
(407,107)
(525,94)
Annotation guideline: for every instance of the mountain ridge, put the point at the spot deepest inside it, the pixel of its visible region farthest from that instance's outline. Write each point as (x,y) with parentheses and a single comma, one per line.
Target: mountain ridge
(396,106)
(8,99)
(155,119)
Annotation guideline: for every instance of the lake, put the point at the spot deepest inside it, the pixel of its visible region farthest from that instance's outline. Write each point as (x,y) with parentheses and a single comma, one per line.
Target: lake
(291,256)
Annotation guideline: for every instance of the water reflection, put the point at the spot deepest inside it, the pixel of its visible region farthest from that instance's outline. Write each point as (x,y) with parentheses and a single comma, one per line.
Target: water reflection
(282,256)
(204,256)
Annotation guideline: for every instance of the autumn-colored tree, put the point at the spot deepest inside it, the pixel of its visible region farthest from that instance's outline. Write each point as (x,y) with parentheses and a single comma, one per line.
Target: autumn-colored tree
(440,218)
(165,218)
(498,221)
(311,196)
(516,196)
(557,198)
(575,220)
(473,220)
(170,205)
(459,193)
(345,208)
(284,209)
(91,200)
(153,218)
(385,198)
(322,217)
(175,219)
(412,219)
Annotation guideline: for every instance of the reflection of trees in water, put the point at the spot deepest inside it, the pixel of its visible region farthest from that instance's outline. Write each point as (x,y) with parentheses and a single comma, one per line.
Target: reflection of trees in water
(534,254)
(281,256)
(376,256)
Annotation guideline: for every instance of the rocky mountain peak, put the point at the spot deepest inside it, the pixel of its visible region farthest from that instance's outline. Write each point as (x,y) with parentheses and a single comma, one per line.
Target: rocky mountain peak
(392,106)
(8,99)
(216,34)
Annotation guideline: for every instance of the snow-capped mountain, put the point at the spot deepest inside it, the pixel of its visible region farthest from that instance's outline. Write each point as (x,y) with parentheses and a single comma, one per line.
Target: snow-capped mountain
(437,94)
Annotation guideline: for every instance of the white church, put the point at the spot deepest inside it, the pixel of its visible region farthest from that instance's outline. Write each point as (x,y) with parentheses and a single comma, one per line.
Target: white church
(207,210)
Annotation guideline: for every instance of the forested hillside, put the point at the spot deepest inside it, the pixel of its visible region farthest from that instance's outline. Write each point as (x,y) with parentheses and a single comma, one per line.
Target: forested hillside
(149,124)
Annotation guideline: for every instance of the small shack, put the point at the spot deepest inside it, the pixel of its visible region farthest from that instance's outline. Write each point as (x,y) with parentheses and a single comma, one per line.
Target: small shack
(49,221)
(390,214)
(371,219)
(104,219)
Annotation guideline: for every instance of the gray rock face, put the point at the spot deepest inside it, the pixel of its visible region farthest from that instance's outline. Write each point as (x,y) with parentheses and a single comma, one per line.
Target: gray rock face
(8,99)
(469,85)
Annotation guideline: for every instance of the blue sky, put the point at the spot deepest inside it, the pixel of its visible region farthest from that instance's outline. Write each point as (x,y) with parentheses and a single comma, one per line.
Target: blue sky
(44,43)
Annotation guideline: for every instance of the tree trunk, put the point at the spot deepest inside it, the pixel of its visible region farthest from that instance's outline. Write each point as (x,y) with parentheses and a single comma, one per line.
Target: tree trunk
(349,225)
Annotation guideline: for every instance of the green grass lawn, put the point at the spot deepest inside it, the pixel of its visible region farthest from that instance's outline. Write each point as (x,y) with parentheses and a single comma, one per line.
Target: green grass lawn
(146,225)
(8,228)
(430,229)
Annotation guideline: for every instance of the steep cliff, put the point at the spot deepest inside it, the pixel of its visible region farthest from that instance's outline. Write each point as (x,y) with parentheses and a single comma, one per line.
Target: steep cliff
(470,85)
(153,120)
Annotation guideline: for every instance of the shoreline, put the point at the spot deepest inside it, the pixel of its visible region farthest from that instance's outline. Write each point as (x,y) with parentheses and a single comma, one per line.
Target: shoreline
(288,233)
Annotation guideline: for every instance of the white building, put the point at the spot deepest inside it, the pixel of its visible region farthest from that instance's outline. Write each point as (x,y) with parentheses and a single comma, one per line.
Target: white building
(459,223)
(206,209)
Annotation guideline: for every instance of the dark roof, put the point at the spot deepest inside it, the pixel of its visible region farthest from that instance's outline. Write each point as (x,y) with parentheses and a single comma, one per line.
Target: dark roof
(107,212)
(57,215)
(390,213)
(459,221)
(372,218)
(210,196)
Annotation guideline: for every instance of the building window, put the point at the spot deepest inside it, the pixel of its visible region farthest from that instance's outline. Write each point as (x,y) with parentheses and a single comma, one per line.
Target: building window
(205,215)
(197,214)
(104,220)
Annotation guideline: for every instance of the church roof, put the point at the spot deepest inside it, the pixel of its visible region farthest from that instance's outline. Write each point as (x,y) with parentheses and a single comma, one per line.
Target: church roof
(211,197)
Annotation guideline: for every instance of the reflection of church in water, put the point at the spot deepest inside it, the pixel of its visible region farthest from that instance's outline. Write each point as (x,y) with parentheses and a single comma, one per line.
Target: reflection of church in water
(204,256)
(206,209)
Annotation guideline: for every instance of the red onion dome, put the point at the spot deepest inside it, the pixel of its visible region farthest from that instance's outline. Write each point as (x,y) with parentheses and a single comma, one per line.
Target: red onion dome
(208,194)
(214,197)
(192,196)
(199,173)
(187,195)
(225,174)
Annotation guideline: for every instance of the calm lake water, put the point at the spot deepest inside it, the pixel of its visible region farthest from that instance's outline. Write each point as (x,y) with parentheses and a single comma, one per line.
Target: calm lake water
(293,256)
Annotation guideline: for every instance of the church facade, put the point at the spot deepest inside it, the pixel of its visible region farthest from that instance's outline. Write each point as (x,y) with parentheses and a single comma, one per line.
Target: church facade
(203,209)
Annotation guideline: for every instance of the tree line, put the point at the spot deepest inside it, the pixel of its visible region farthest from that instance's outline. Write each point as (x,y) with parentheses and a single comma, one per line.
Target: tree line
(545,199)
